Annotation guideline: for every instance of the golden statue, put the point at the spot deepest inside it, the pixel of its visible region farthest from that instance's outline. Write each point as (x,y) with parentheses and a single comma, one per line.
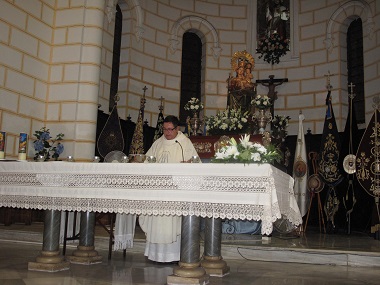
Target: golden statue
(241,89)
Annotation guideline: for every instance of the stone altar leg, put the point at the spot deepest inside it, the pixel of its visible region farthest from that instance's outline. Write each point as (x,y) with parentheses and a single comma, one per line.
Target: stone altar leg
(50,259)
(213,262)
(86,253)
(189,270)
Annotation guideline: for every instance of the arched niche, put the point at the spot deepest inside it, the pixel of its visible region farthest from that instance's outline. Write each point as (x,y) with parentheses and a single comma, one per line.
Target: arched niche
(347,12)
(136,12)
(198,25)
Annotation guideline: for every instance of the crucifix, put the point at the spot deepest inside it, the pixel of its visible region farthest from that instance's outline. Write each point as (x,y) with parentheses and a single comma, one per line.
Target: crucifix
(271,83)
(328,85)
(351,94)
(349,164)
(161,107)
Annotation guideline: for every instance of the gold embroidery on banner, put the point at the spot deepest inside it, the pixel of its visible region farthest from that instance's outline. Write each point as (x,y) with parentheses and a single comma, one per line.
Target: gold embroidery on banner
(329,165)
(362,164)
(368,163)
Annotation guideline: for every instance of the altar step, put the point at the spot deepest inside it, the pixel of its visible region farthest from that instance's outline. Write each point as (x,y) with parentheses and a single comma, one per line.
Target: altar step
(355,249)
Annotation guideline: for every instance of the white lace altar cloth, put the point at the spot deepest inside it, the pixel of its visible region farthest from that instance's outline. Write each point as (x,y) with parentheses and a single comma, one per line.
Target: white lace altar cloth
(232,191)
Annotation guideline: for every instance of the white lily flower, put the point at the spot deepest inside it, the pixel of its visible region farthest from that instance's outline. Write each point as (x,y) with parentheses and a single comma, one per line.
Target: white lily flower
(221,155)
(245,140)
(262,150)
(236,154)
(233,142)
(255,156)
(232,150)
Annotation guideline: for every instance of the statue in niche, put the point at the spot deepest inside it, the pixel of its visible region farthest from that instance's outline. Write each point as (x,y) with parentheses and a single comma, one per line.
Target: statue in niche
(241,89)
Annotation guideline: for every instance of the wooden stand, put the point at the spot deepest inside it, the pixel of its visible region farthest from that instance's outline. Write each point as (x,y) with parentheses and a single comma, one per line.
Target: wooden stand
(320,213)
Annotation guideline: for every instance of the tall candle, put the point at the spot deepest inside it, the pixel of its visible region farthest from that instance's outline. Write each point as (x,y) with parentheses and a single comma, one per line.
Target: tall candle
(2,144)
(22,146)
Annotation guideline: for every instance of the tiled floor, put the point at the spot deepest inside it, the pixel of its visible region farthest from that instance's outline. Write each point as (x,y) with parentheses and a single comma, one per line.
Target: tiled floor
(136,270)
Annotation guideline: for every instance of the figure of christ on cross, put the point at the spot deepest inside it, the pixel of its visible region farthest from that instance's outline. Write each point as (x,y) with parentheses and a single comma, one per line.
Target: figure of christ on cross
(271,83)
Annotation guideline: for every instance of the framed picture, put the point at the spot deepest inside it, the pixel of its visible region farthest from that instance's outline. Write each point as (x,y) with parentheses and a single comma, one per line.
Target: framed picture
(269,16)
(273,16)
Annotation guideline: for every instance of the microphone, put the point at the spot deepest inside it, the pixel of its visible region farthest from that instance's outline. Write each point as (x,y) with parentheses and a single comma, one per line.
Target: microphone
(183,158)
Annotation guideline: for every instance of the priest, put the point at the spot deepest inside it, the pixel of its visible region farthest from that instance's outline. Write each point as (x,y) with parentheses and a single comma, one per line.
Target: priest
(163,233)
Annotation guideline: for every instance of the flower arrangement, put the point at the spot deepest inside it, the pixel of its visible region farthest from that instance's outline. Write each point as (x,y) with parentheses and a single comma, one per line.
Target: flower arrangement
(227,121)
(262,102)
(272,48)
(246,152)
(279,124)
(46,146)
(194,105)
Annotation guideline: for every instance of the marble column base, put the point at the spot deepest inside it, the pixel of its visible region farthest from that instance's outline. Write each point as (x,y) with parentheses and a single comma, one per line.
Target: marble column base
(49,261)
(188,274)
(215,266)
(86,255)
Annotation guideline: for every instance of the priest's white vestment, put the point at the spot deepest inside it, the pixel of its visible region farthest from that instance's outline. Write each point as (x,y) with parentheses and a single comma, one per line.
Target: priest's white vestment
(163,233)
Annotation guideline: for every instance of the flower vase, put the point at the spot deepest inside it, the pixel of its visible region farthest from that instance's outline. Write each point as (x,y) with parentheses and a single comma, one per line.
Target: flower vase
(195,123)
(263,117)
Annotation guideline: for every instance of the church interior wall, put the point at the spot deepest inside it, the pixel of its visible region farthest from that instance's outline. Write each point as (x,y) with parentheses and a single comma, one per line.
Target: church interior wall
(26,34)
(50,62)
(55,66)
(105,65)
(76,55)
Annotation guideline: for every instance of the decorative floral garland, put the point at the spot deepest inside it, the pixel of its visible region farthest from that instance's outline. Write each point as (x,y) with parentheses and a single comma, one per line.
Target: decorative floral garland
(272,48)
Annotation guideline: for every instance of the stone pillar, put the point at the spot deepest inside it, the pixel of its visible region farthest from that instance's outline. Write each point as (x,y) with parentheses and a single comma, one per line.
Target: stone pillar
(50,259)
(86,253)
(189,270)
(213,262)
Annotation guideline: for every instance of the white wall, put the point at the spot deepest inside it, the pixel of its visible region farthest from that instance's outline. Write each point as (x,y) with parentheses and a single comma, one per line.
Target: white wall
(55,61)
(49,71)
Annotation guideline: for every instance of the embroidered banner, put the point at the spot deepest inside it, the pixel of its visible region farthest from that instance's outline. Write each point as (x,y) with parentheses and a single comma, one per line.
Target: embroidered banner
(160,124)
(367,158)
(300,169)
(330,148)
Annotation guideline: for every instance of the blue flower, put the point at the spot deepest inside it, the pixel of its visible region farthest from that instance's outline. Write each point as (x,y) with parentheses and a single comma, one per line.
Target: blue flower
(45,136)
(39,145)
(44,144)
(59,149)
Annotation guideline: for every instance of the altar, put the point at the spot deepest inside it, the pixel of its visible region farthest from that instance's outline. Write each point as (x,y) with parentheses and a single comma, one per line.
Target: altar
(233,191)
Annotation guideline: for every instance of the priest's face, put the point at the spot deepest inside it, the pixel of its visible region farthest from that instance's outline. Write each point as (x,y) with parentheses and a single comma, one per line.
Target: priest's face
(170,132)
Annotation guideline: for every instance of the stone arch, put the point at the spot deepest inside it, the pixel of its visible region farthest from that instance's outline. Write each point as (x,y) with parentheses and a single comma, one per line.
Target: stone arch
(135,12)
(352,10)
(204,29)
